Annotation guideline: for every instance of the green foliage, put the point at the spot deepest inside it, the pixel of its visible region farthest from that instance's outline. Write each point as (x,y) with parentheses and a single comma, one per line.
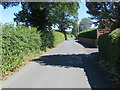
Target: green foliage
(10,4)
(58,38)
(47,40)
(65,15)
(0,42)
(36,14)
(92,33)
(50,39)
(19,43)
(85,24)
(68,35)
(105,13)
(109,48)
(44,15)
(74,29)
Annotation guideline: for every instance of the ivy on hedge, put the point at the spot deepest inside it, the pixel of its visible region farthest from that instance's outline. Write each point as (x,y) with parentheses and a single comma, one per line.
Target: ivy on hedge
(109,48)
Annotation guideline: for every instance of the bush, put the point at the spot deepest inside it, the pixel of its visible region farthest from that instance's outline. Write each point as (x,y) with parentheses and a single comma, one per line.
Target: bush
(50,39)
(92,33)
(17,42)
(109,48)
(58,38)
(47,40)
(21,42)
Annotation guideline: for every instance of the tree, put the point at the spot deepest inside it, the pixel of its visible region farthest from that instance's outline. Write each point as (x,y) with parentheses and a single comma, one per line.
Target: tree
(106,14)
(65,14)
(85,24)
(44,15)
(75,29)
(34,14)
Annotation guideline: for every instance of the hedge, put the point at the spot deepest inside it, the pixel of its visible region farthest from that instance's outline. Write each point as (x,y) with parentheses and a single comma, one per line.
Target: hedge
(109,48)
(21,42)
(58,38)
(92,33)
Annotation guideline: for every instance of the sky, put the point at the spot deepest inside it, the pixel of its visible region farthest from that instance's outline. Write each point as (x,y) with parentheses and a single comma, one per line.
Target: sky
(82,11)
(7,15)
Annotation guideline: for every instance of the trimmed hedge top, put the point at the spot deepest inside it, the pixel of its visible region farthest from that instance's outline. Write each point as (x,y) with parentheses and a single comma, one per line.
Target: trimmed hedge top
(92,33)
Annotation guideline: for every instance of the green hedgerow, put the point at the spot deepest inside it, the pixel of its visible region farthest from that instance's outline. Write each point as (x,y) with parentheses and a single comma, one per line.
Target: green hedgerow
(19,42)
(92,33)
(109,48)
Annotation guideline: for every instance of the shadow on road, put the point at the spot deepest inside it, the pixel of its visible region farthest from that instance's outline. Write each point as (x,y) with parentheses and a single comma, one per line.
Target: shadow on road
(95,76)
(84,44)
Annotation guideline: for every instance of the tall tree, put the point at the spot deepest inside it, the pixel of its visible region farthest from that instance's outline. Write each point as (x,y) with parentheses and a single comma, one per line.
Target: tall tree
(32,14)
(35,14)
(85,24)
(105,13)
(75,29)
(46,14)
(65,14)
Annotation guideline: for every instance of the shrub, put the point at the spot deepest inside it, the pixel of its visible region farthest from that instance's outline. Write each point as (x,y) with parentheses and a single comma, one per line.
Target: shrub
(17,42)
(58,38)
(50,39)
(47,40)
(92,33)
(21,42)
(109,48)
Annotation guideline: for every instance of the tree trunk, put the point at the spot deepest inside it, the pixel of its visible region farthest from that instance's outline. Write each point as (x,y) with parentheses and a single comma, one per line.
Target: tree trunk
(63,31)
(65,35)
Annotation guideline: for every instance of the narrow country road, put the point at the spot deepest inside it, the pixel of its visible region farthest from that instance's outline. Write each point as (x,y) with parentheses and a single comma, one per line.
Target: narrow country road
(69,65)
